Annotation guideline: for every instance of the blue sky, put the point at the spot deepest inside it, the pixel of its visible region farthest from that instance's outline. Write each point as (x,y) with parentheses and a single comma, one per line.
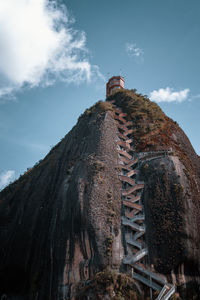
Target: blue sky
(55,58)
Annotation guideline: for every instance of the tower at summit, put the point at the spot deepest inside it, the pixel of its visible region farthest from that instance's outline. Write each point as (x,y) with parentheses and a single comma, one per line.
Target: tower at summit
(115,82)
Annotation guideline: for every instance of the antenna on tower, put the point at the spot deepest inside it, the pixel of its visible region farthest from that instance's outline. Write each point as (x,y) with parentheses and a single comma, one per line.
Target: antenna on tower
(108,75)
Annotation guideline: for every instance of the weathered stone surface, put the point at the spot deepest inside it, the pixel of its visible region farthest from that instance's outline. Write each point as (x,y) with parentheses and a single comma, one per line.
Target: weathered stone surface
(56,220)
(60,223)
(171,193)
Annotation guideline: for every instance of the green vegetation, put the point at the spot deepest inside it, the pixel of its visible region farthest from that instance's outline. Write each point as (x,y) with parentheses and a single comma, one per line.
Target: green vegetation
(117,286)
(138,106)
(166,210)
(121,284)
(99,107)
(152,129)
(174,297)
(111,214)
(108,244)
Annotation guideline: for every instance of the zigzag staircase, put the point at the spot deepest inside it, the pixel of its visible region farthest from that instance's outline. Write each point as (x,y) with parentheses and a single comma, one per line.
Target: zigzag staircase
(133,218)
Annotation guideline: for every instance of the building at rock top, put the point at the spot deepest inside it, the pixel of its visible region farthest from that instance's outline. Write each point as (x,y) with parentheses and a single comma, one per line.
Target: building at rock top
(115,82)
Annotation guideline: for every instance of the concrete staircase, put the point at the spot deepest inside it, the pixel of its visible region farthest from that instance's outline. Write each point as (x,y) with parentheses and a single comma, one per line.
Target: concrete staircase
(134,217)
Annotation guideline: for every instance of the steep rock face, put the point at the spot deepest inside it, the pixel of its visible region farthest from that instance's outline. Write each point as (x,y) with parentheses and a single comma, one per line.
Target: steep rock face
(60,223)
(171,196)
(57,220)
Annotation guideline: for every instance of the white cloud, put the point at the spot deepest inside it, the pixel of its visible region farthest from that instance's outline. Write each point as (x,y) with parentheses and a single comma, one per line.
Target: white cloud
(133,51)
(6,177)
(38,46)
(169,95)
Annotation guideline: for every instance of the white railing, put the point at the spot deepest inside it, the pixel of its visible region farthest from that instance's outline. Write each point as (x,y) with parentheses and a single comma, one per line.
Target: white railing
(142,272)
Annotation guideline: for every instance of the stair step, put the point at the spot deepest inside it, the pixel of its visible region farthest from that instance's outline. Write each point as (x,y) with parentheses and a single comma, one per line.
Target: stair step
(124,153)
(132,215)
(125,167)
(129,123)
(133,162)
(122,127)
(129,141)
(127,132)
(132,205)
(137,235)
(131,260)
(133,189)
(131,173)
(127,179)
(124,144)
(162,292)
(125,160)
(169,293)
(140,217)
(121,136)
(134,243)
(137,206)
(123,114)
(159,278)
(129,214)
(133,198)
(122,120)
(127,222)
(147,282)
(118,118)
